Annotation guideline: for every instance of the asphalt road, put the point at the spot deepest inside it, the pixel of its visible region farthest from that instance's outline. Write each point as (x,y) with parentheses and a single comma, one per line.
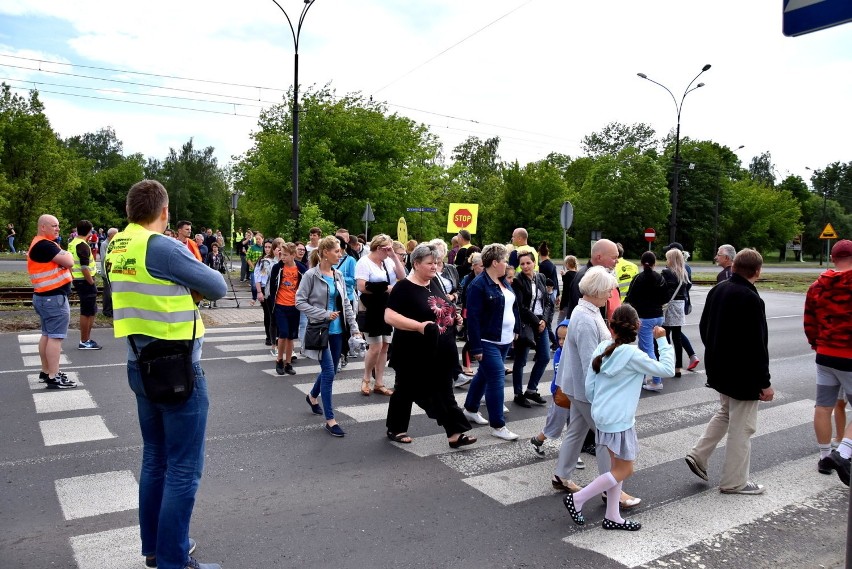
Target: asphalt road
(279,492)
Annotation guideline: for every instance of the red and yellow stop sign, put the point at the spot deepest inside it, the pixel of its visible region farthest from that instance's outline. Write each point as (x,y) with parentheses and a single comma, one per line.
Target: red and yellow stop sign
(462,216)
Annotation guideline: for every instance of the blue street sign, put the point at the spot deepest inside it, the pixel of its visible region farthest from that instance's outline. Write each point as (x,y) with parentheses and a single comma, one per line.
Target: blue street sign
(806,16)
(414,209)
(430,209)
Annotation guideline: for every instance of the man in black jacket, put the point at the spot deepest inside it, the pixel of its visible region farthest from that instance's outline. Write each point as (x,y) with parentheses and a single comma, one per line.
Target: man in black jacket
(733,329)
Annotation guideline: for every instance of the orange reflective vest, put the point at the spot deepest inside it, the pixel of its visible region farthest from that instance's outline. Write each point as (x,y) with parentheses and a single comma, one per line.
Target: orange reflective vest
(46,276)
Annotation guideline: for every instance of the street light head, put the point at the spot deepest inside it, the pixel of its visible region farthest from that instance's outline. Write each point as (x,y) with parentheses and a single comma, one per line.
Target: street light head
(642,75)
(741,146)
(699,85)
(706,67)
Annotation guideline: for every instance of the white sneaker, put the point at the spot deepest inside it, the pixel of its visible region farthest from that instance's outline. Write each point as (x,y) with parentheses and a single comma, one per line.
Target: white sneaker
(651,386)
(504,433)
(461,380)
(505,409)
(475,417)
(580,464)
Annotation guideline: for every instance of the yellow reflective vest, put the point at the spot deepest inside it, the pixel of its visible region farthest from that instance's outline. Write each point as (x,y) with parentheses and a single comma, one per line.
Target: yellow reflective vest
(77,268)
(143,304)
(624,272)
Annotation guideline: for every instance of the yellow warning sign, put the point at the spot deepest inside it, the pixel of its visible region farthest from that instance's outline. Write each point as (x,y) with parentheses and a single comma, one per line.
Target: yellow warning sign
(828,232)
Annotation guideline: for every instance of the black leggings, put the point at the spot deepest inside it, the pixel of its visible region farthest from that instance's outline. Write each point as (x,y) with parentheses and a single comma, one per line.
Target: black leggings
(673,335)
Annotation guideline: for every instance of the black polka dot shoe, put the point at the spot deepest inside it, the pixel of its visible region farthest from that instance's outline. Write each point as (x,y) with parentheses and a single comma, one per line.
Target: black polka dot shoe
(627,525)
(578,518)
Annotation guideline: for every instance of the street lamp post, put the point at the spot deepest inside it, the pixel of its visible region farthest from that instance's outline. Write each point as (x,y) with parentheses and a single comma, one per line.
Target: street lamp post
(295,210)
(678,108)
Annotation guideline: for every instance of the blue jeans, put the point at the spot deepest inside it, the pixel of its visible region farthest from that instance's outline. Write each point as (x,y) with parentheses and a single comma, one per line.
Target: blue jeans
(12,244)
(325,378)
(542,358)
(303,324)
(646,338)
(251,282)
(489,380)
(172,462)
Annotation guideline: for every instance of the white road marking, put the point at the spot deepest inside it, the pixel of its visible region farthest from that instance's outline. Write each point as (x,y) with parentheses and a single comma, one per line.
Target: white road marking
(532,481)
(74,430)
(242,330)
(29,348)
(35,361)
(253,347)
(236,338)
(55,400)
(687,521)
(29,338)
(112,548)
(96,494)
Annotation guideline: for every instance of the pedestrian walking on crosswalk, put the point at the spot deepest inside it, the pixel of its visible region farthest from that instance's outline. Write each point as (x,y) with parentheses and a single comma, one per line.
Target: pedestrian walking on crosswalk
(424,353)
(613,386)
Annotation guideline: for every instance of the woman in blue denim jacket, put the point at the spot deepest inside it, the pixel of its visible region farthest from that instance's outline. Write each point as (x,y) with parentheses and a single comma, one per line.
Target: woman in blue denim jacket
(492,325)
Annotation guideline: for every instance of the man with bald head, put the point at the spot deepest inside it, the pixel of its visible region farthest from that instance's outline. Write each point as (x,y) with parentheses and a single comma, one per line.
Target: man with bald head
(519,240)
(49,269)
(604,254)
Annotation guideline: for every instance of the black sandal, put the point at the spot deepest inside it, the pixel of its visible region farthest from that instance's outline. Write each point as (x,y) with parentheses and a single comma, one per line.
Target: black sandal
(463,440)
(399,437)
(575,515)
(628,525)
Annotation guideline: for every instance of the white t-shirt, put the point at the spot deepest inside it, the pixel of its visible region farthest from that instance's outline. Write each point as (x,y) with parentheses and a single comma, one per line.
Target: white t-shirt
(507,333)
(367,270)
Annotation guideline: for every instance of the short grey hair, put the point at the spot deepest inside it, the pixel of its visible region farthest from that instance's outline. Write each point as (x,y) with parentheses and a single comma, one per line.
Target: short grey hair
(476,258)
(422,251)
(728,250)
(492,253)
(440,245)
(597,282)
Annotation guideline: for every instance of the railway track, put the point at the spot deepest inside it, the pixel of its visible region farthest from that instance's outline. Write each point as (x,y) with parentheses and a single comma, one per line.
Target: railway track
(23,295)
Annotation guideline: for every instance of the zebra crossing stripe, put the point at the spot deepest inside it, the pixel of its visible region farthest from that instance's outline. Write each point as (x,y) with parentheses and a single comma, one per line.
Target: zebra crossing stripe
(379,412)
(74,430)
(29,338)
(68,400)
(35,361)
(29,348)
(243,330)
(96,494)
(253,347)
(238,338)
(532,481)
(679,524)
(120,547)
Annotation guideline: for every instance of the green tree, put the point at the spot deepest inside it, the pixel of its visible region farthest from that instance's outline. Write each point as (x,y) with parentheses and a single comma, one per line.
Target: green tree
(531,198)
(197,186)
(621,196)
(37,170)
(351,152)
(759,216)
(616,137)
(762,170)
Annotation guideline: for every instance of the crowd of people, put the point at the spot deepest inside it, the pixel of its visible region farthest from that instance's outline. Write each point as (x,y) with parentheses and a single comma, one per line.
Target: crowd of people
(400,305)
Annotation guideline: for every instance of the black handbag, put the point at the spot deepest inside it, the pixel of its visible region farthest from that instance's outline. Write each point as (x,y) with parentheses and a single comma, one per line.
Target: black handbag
(168,375)
(526,338)
(316,336)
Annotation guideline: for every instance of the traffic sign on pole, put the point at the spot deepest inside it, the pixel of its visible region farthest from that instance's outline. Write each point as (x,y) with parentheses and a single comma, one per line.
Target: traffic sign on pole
(828,232)
(806,16)
(650,235)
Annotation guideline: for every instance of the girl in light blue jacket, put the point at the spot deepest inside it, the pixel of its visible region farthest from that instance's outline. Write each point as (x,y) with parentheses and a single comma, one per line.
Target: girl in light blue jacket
(613,385)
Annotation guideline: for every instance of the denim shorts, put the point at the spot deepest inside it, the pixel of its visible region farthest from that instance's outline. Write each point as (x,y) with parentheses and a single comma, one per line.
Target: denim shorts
(55,314)
(88,294)
(287,320)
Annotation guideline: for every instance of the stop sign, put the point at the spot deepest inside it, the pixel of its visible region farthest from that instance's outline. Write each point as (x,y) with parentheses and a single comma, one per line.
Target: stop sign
(650,234)
(462,218)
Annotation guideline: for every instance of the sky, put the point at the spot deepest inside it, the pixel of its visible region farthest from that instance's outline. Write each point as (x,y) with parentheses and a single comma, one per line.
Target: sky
(540,74)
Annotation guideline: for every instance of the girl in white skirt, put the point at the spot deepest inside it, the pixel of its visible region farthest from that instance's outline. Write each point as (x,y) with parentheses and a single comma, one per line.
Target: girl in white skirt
(613,385)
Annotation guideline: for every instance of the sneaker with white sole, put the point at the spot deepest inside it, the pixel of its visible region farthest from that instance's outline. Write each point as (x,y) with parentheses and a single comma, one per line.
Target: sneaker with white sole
(89,345)
(461,379)
(504,433)
(475,417)
(652,386)
(580,464)
(750,488)
(536,446)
